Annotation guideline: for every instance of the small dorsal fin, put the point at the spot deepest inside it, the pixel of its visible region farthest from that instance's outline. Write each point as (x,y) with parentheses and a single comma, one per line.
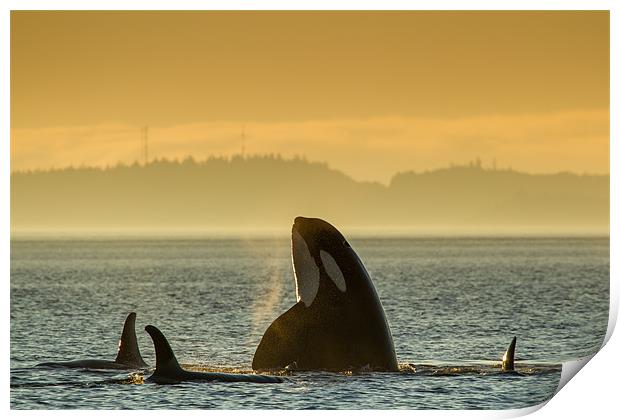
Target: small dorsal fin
(165,361)
(128,351)
(508,361)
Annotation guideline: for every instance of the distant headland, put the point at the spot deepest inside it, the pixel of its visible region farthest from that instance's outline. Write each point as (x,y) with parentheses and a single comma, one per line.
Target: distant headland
(267,192)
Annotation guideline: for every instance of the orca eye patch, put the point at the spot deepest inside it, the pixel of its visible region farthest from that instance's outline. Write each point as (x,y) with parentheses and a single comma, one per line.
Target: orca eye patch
(333,271)
(305,270)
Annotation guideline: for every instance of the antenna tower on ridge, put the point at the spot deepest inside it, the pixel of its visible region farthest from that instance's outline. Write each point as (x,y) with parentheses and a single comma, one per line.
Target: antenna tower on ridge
(144,144)
(243,141)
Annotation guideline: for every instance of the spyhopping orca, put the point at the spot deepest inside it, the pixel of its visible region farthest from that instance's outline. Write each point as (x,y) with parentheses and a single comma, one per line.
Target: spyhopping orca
(508,361)
(168,371)
(128,356)
(338,321)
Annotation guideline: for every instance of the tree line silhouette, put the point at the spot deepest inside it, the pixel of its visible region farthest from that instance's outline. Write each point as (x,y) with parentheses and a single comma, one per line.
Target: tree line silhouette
(267,191)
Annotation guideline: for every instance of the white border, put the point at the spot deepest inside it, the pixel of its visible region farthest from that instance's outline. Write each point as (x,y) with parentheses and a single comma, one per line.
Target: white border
(309,5)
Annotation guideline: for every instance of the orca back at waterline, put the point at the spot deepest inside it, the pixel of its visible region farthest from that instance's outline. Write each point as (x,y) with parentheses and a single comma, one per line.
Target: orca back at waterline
(168,370)
(127,358)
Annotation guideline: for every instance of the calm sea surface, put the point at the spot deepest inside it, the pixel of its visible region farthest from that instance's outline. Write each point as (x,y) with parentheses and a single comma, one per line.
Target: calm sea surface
(453,305)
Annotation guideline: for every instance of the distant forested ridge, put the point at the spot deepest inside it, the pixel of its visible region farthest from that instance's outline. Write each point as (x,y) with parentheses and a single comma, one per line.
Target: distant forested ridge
(268,191)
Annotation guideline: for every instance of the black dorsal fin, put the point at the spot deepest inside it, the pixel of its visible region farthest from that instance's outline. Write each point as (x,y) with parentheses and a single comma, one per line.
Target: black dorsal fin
(508,361)
(165,361)
(128,351)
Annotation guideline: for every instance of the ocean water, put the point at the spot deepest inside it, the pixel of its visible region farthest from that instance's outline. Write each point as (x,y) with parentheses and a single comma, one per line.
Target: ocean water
(453,305)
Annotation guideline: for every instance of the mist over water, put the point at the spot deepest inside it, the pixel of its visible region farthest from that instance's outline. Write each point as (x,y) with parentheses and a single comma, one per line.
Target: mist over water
(453,305)
(246,194)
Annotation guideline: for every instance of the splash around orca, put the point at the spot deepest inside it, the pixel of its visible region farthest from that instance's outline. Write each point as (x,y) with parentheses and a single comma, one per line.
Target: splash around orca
(338,322)
(168,370)
(128,356)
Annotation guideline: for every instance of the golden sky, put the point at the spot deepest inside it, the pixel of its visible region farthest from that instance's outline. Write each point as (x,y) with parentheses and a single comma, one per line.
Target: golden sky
(371,93)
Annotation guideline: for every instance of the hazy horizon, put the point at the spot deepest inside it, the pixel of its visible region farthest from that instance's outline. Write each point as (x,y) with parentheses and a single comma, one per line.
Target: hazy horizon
(367,150)
(416,122)
(488,165)
(261,195)
(274,232)
(371,93)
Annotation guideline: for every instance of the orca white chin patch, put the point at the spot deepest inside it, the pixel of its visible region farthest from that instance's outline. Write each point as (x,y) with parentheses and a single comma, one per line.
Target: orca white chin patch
(333,270)
(306,272)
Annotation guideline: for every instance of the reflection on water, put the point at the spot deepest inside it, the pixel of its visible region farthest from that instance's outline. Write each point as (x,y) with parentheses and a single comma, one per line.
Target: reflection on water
(453,306)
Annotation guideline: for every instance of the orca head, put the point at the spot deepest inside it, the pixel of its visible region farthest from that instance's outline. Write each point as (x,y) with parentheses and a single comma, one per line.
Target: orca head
(338,321)
(320,251)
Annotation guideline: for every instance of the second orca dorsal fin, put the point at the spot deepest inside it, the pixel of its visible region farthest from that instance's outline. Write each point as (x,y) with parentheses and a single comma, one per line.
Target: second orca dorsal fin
(165,361)
(508,361)
(128,350)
